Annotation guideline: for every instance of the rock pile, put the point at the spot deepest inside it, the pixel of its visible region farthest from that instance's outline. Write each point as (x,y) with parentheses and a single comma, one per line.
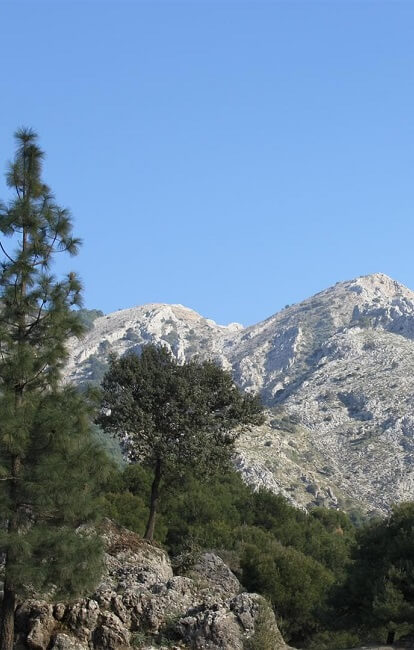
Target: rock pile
(140,603)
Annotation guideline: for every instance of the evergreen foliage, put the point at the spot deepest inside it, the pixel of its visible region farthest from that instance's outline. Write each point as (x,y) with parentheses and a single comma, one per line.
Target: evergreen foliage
(88,316)
(288,556)
(46,453)
(174,417)
(378,593)
(331,584)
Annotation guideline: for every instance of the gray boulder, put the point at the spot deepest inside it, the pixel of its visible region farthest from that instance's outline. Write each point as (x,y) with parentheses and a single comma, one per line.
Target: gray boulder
(140,601)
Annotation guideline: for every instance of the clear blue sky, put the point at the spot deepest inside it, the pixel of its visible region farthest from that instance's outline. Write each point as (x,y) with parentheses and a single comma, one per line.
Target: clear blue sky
(229,156)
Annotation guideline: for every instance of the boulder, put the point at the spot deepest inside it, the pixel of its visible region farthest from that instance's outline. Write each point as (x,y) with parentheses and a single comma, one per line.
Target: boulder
(82,617)
(66,642)
(35,620)
(139,595)
(216,575)
(110,633)
(231,624)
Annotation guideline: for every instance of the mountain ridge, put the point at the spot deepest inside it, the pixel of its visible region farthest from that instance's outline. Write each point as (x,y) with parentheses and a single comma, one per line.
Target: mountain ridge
(335,372)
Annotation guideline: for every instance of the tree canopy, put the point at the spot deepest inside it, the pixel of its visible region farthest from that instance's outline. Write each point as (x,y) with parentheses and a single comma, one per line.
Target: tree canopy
(172,416)
(378,592)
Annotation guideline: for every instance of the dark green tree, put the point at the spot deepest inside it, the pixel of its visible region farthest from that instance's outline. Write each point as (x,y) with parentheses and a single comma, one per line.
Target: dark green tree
(379,591)
(46,454)
(294,583)
(174,417)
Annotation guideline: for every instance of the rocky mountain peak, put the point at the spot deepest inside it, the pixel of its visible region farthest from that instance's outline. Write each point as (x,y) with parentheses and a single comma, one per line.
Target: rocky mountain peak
(381,283)
(336,372)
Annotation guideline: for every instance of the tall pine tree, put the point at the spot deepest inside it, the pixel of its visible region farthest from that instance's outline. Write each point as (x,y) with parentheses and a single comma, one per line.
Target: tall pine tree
(47,456)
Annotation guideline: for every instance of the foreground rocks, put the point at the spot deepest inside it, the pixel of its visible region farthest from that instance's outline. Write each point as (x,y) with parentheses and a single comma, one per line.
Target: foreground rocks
(140,603)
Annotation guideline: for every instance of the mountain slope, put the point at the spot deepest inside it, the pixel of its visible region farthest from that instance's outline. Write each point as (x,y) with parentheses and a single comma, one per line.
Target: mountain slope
(336,372)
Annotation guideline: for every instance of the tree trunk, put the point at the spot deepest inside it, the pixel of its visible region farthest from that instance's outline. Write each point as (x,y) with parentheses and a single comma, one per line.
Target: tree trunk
(155,492)
(8,605)
(7,618)
(390,637)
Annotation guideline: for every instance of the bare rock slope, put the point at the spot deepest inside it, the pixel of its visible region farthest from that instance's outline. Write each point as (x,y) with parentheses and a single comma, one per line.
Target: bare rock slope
(141,604)
(335,371)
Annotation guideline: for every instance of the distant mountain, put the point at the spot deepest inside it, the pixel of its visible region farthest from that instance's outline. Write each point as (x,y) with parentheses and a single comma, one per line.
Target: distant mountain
(336,372)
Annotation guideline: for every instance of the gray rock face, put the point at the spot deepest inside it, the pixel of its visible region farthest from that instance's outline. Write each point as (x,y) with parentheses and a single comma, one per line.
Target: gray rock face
(66,642)
(219,627)
(336,372)
(139,602)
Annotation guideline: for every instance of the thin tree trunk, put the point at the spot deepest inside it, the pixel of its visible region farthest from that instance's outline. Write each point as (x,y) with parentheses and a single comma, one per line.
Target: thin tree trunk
(155,493)
(390,637)
(8,605)
(7,618)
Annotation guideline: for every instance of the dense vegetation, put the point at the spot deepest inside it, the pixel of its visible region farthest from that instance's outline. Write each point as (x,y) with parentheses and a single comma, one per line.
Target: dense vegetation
(277,550)
(332,585)
(174,417)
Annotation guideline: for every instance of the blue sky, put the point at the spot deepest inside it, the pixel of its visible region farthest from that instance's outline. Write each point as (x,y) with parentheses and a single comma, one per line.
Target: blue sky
(230,156)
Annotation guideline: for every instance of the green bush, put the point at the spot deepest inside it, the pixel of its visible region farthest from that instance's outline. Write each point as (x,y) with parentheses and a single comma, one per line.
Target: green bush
(263,637)
(295,585)
(328,640)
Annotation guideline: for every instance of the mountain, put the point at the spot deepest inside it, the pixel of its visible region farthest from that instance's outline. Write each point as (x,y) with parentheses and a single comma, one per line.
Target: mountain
(335,371)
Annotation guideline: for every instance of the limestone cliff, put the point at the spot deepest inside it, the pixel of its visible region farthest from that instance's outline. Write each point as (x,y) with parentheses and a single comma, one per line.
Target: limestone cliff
(335,371)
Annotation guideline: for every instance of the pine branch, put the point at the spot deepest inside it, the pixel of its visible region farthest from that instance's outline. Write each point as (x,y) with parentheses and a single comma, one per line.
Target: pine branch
(6,254)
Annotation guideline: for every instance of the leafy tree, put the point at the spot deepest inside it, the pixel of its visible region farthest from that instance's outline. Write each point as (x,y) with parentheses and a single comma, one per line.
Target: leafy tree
(46,454)
(294,583)
(379,592)
(174,417)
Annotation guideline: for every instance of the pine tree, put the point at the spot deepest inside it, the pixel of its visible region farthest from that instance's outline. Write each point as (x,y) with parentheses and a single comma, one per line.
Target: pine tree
(174,418)
(46,453)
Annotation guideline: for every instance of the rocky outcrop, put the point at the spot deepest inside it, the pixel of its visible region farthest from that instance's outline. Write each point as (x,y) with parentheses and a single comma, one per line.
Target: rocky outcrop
(140,603)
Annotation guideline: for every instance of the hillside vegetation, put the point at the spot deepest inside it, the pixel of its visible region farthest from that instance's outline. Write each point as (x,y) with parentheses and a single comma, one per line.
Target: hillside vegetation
(315,569)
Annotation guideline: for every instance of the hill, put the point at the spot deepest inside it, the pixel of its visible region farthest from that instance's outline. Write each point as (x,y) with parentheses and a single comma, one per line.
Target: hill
(335,371)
